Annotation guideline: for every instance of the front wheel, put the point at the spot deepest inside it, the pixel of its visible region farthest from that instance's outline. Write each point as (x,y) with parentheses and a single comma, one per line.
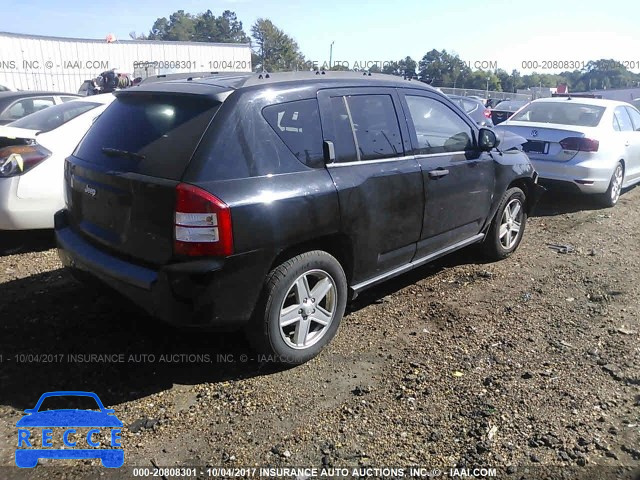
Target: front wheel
(302,305)
(612,195)
(507,227)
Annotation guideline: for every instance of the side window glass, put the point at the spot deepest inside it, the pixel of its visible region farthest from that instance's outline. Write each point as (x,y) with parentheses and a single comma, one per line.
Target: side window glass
(624,122)
(17,110)
(635,117)
(375,124)
(42,103)
(298,126)
(344,142)
(438,128)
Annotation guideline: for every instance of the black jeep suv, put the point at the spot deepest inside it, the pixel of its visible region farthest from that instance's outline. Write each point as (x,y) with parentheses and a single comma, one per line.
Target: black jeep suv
(266,201)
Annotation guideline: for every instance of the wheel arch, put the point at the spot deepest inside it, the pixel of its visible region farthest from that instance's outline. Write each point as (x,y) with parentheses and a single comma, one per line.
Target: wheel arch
(338,245)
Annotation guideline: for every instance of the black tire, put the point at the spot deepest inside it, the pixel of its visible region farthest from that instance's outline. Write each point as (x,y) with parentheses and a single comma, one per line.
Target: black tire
(608,199)
(493,247)
(265,332)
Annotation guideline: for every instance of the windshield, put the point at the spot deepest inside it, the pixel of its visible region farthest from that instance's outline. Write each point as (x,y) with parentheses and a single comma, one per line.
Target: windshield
(55,116)
(565,113)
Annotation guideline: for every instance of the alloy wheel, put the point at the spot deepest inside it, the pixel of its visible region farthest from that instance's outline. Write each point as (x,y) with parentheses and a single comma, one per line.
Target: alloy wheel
(308,309)
(511,223)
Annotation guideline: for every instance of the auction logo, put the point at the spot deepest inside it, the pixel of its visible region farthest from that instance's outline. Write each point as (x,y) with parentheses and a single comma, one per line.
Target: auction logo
(69,419)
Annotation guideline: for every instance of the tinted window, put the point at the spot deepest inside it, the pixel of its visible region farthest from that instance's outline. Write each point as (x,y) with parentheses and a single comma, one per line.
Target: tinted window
(438,128)
(298,125)
(635,117)
(621,120)
(340,123)
(55,116)
(565,113)
(149,134)
(376,126)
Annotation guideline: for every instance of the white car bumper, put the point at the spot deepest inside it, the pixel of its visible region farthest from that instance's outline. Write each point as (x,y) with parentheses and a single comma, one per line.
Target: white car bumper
(587,175)
(24,214)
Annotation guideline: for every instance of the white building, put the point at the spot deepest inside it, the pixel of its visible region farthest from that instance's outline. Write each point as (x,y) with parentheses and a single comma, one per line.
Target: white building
(32,62)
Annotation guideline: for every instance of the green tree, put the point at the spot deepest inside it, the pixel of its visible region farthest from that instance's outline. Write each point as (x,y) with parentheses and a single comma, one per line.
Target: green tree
(180,26)
(443,69)
(275,50)
(483,80)
(203,27)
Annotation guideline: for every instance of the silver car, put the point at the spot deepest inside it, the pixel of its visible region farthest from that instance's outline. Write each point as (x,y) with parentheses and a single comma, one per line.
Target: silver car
(588,145)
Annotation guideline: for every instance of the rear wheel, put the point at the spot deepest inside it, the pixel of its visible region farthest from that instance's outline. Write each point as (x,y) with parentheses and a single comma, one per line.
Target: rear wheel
(302,305)
(612,195)
(507,227)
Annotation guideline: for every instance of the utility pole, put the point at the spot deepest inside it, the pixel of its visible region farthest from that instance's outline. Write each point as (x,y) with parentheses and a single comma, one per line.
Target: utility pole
(331,53)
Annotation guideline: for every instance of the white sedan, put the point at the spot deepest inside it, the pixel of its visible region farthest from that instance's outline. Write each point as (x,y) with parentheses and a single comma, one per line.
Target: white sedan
(32,154)
(588,145)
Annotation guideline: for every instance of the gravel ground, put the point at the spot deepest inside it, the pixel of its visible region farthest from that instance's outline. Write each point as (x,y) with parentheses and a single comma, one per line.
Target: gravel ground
(529,365)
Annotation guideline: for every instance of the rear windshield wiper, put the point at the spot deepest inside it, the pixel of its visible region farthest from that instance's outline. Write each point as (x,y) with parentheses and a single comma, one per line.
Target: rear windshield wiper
(114,152)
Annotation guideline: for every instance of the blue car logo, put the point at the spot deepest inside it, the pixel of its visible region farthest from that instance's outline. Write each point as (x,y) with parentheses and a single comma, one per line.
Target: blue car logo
(27,457)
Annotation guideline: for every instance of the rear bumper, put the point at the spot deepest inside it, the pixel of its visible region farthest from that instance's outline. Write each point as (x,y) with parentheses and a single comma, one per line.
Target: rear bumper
(211,292)
(25,214)
(584,176)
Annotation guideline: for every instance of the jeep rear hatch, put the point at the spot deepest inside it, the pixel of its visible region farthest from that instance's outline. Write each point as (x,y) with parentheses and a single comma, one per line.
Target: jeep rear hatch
(121,180)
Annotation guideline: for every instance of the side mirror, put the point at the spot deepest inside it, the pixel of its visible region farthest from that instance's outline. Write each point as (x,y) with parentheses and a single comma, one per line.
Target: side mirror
(329,152)
(487,139)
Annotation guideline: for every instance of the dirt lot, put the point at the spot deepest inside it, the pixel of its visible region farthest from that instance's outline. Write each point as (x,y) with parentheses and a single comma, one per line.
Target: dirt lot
(530,365)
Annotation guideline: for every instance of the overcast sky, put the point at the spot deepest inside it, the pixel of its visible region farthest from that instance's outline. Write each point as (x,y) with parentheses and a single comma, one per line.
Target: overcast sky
(505,33)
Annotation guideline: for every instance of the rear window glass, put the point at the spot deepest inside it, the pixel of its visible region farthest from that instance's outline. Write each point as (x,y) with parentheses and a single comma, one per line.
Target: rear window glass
(565,113)
(151,134)
(54,117)
(298,126)
(469,105)
(509,106)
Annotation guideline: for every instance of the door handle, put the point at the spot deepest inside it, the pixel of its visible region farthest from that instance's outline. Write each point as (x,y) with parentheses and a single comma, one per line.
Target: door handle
(627,143)
(441,172)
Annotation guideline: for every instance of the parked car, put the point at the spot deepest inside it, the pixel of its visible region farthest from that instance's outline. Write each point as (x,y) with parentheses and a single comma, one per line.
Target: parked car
(15,105)
(503,110)
(32,153)
(474,108)
(265,202)
(583,145)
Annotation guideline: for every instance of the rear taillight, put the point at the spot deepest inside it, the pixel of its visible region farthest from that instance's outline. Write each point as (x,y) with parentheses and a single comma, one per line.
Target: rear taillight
(580,144)
(487,113)
(18,159)
(202,224)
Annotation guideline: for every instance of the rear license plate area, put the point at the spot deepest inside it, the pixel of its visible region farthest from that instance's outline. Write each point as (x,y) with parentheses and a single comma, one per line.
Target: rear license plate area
(536,146)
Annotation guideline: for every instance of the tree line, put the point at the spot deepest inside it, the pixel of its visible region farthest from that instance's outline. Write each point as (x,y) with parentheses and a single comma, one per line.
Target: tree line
(273,50)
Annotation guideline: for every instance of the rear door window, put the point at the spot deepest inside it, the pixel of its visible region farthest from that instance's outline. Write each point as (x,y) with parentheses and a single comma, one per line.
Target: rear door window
(376,128)
(298,126)
(151,134)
